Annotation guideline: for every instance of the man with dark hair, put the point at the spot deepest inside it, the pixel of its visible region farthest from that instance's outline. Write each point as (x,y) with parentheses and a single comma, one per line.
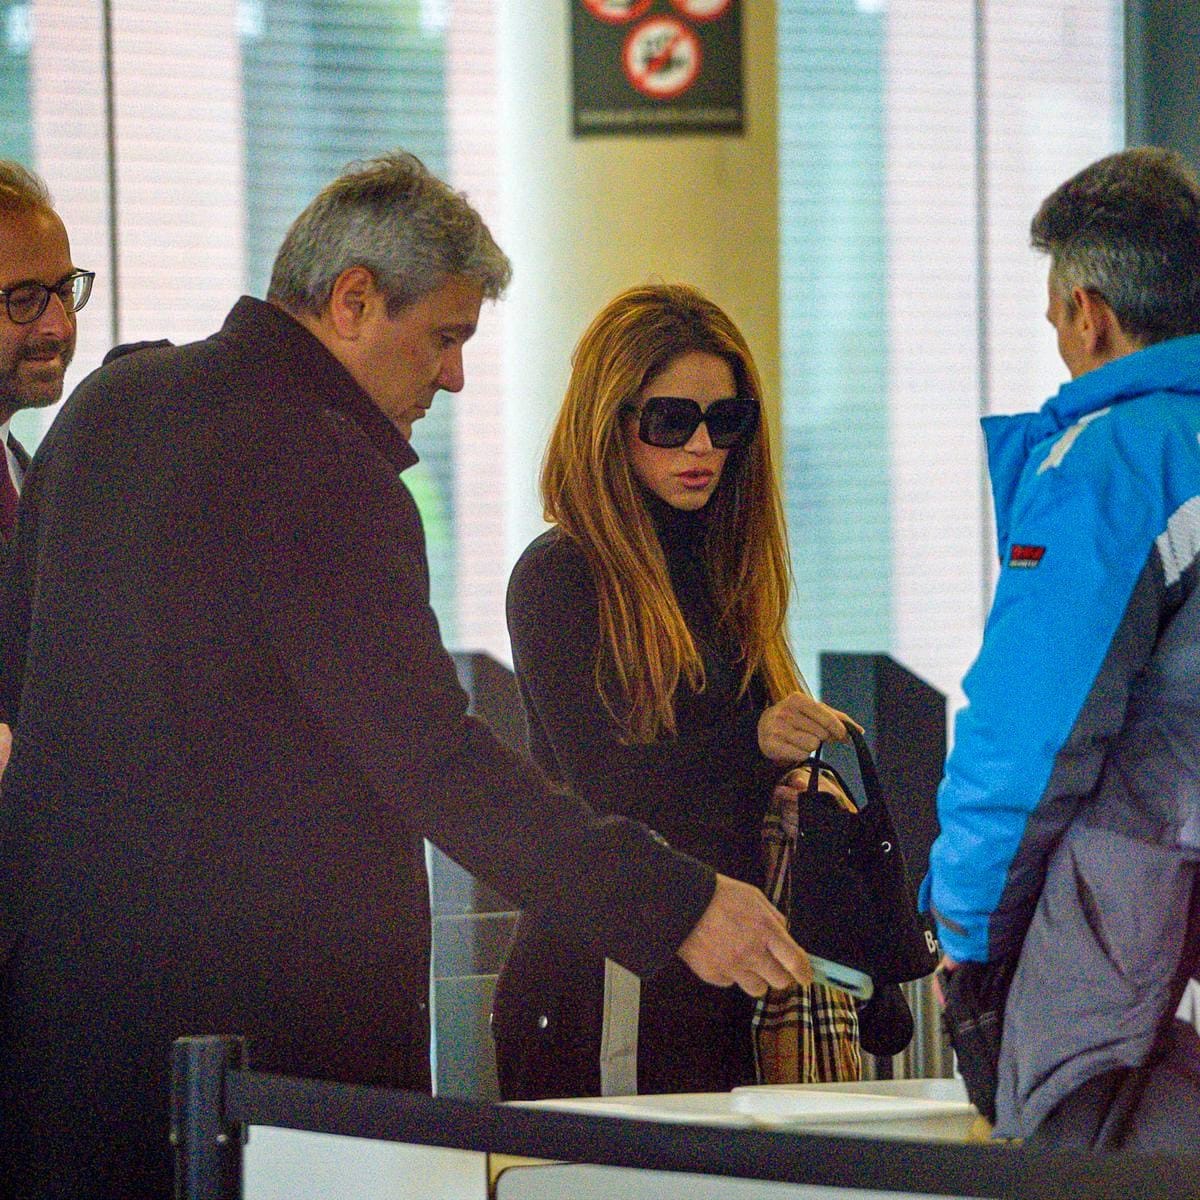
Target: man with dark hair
(40,293)
(1070,807)
(234,719)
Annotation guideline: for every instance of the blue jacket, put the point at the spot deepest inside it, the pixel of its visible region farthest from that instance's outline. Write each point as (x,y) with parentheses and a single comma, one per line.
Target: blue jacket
(1087,686)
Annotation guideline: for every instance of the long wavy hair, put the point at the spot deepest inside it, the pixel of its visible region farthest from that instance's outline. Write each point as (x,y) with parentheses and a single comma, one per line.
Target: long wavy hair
(590,492)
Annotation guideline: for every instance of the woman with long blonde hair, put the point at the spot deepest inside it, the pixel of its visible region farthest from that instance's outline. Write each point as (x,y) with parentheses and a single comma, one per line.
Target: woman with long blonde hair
(648,636)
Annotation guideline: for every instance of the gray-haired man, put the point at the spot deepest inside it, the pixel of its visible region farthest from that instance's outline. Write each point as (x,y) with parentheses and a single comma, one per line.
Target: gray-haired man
(1070,810)
(234,719)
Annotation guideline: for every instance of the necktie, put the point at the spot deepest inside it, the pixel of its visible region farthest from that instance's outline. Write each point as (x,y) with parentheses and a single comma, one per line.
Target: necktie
(8,499)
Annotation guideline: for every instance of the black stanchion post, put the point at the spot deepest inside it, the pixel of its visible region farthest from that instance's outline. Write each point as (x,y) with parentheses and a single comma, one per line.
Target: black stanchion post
(208,1147)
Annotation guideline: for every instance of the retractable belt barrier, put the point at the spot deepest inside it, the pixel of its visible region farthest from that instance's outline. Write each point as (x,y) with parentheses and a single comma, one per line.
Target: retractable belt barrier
(215,1099)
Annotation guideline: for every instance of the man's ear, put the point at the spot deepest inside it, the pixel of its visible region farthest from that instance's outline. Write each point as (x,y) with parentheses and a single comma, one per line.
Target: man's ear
(1100,331)
(352,300)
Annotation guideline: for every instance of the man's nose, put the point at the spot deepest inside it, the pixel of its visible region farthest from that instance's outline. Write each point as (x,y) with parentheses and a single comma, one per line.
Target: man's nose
(56,319)
(452,376)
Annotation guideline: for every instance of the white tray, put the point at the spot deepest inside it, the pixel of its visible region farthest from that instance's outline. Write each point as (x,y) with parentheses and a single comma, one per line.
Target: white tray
(800,1106)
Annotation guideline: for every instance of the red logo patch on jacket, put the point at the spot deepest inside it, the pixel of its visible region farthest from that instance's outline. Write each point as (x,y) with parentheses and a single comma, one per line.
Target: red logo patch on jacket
(1025,556)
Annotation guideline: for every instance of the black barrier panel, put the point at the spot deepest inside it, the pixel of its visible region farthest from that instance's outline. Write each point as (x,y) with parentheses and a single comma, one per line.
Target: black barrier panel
(492,695)
(989,1172)
(472,923)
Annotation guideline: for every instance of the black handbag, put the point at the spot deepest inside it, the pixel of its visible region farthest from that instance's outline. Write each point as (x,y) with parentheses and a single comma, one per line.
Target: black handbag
(851,899)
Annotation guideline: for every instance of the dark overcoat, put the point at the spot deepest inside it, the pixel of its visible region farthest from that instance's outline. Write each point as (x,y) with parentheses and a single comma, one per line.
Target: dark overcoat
(234,722)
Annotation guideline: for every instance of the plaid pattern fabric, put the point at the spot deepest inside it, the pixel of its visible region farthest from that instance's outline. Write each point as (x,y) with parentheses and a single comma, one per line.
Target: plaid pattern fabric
(801,1034)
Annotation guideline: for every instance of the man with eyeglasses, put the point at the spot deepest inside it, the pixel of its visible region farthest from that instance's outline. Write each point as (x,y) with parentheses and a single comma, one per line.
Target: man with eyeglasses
(40,293)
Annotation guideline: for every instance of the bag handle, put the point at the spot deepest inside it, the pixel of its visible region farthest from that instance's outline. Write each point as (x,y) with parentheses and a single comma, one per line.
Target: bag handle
(872,789)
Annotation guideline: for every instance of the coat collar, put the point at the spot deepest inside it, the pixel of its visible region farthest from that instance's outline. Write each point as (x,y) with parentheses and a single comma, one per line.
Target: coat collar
(309,370)
(1170,366)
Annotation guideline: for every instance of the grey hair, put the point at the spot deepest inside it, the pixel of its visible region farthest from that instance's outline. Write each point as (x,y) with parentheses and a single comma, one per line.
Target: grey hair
(1128,228)
(394,217)
(22,191)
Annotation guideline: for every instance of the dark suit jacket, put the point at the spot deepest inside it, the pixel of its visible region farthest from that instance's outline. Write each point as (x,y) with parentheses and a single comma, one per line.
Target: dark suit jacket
(234,722)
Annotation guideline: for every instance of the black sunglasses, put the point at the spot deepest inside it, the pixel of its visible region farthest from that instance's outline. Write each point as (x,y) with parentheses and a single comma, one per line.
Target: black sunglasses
(669,421)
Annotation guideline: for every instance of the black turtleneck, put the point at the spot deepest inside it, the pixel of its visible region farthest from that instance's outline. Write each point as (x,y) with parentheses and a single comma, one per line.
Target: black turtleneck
(706,788)
(682,534)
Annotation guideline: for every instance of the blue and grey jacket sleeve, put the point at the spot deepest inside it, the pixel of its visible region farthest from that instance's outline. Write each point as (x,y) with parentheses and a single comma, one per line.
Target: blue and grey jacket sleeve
(1097,526)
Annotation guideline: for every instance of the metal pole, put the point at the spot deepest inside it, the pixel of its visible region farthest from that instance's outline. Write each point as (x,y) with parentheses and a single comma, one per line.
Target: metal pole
(929,1055)
(208,1147)
(110,132)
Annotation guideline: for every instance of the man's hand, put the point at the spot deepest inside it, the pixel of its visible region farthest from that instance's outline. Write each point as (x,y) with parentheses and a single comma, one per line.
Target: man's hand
(5,746)
(792,729)
(742,938)
(945,969)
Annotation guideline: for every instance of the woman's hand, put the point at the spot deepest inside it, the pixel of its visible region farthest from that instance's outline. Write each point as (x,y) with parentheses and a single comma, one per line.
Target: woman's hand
(788,732)
(785,799)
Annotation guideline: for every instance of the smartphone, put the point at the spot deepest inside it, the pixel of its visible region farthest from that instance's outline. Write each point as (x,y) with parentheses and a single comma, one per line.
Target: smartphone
(845,979)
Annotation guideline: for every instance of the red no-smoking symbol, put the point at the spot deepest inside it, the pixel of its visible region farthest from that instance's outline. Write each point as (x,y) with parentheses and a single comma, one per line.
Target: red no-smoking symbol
(661,58)
(616,11)
(702,10)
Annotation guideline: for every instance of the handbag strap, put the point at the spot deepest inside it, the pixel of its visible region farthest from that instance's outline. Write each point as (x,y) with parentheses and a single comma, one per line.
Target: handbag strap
(817,767)
(866,765)
(872,789)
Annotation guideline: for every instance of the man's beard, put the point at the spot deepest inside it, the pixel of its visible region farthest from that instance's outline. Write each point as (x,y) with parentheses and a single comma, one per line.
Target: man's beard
(18,392)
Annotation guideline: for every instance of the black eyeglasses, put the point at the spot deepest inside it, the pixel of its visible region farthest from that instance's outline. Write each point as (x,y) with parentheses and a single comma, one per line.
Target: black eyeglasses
(26,302)
(669,421)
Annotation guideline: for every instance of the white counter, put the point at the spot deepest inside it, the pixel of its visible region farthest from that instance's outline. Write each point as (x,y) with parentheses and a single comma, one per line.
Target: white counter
(282,1164)
(920,1108)
(925,1109)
